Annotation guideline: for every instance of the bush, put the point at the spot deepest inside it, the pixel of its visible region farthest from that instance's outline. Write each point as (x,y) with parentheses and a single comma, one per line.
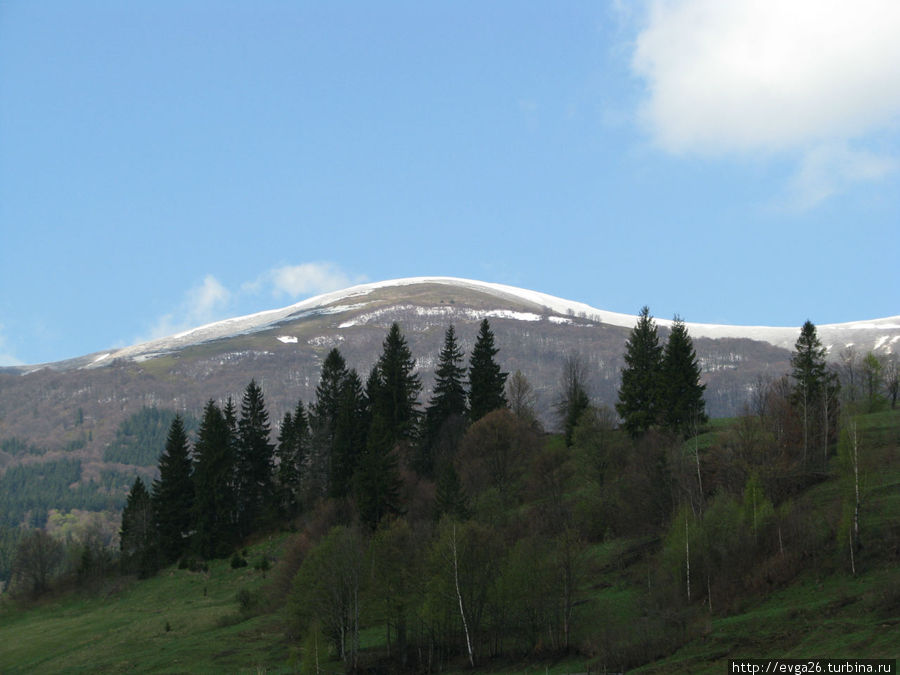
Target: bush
(238,561)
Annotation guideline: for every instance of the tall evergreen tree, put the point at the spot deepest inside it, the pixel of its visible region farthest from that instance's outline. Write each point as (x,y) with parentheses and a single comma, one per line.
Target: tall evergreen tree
(377,483)
(291,451)
(397,388)
(350,430)
(173,494)
(814,394)
(328,393)
(639,394)
(255,463)
(214,485)
(682,405)
(449,498)
(137,537)
(447,404)
(487,384)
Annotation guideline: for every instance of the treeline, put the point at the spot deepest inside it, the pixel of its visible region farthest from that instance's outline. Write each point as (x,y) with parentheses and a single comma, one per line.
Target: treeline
(354,442)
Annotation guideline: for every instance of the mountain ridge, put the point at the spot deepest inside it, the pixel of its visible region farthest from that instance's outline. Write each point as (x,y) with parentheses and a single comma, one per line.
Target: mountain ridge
(832,335)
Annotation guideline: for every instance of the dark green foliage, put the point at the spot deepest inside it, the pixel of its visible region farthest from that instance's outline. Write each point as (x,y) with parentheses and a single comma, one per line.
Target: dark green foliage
(328,394)
(17,446)
(28,491)
(214,513)
(257,501)
(173,495)
(808,363)
(814,394)
(377,480)
(682,405)
(137,536)
(486,382)
(450,499)
(639,393)
(349,441)
(141,438)
(448,402)
(323,420)
(395,390)
(291,452)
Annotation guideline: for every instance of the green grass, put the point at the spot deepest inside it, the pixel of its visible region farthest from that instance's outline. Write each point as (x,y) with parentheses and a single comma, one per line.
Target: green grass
(124,628)
(823,613)
(836,617)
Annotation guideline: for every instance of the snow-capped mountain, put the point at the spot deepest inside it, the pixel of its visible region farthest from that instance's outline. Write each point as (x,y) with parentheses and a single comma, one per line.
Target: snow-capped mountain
(880,335)
(283,350)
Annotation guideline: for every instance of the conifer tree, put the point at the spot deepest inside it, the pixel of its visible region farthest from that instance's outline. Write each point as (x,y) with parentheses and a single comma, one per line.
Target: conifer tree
(639,394)
(293,440)
(137,536)
(814,395)
(450,498)
(173,494)
(487,384)
(682,405)
(351,425)
(448,401)
(328,394)
(214,485)
(396,389)
(255,461)
(377,483)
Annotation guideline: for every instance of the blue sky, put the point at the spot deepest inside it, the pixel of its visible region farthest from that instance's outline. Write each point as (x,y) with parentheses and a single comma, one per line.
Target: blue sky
(165,164)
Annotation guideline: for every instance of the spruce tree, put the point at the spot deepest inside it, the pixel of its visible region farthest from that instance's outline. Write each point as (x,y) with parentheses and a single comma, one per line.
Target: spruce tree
(214,485)
(450,498)
(639,394)
(377,483)
(137,537)
(682,405)
(293,441)
(815,390)
(351,425)
(328,394)
(397,388)
(173,494)
(255,463)
(448,401)
(487,383)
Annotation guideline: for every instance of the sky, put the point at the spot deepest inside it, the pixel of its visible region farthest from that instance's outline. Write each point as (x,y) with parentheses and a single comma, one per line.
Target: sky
(166,164)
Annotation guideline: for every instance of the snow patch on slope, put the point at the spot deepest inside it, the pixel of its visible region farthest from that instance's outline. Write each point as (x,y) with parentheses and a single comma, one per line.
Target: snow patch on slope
(540,304)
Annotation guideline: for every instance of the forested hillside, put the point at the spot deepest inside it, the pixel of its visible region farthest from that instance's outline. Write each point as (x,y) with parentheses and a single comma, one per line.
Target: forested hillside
(455,532)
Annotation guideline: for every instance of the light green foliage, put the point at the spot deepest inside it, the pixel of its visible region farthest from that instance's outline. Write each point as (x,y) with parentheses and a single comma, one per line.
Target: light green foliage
(328,588)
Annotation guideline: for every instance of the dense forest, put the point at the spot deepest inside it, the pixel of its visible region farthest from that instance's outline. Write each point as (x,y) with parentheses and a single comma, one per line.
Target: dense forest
(461,532)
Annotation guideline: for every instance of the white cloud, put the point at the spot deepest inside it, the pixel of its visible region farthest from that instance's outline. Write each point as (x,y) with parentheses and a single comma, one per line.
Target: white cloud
(829,169)
(749,75)
(202,304)
(211,301)
(805,78)
(303,280)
